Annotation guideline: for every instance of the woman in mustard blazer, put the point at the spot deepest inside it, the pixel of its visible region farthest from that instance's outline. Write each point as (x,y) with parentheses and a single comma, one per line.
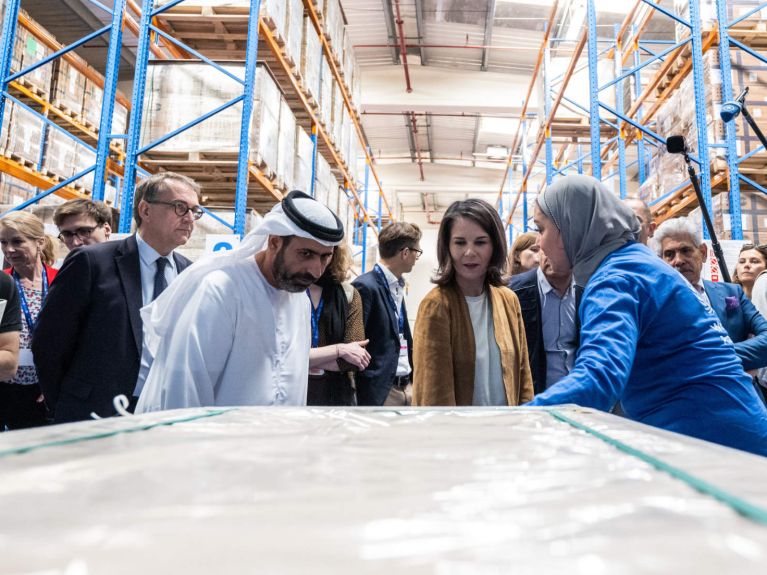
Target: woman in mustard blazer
(469,344)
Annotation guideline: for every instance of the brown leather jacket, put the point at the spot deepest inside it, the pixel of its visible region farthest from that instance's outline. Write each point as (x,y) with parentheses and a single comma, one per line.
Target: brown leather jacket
(443,348)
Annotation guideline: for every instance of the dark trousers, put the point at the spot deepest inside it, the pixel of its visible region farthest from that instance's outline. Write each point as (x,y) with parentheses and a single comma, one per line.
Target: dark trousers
(331,388)
(19,408)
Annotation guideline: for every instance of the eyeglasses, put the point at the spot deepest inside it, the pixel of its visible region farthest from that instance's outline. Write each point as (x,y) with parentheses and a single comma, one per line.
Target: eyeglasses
(750,246)
(83,233)
(180,208)
(418,252)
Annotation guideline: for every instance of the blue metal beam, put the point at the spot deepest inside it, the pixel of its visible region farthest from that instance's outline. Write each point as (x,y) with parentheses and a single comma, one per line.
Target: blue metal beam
(729,127)
(134,129)
(596,159)
(6,49)
(644,64)
(243,172)
(547,112)
(108,99)
(668,13)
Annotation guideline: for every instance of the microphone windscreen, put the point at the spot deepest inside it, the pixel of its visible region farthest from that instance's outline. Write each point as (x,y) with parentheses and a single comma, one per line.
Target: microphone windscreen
(676,145)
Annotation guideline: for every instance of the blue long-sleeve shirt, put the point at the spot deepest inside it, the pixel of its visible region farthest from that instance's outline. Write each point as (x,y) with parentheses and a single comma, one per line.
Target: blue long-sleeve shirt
(649,341)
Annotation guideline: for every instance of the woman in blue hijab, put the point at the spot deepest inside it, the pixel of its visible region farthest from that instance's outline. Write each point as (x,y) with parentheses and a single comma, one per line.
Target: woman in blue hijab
(648,340)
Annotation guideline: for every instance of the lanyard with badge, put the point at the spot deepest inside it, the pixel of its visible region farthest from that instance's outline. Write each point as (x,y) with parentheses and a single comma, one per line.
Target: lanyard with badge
(403,349)
(316,314)
(25,355)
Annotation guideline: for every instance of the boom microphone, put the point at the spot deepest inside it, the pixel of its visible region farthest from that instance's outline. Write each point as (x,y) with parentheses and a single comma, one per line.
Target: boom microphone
(732,109)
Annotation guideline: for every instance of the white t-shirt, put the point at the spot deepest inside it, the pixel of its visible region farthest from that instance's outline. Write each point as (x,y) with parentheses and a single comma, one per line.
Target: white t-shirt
(488,375)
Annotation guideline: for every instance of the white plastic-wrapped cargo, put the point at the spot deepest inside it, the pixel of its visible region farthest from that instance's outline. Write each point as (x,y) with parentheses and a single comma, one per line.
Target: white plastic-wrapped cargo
(33,51)
(24,134)
(68,88)
(334,25)
(326,95)
(286,146)
(275,13)
(84,158)
(295,30)
(324,180)
(336,122)
(451,491)
(311,59)
(180,92)
(302,169)
(60,151)
(92,101)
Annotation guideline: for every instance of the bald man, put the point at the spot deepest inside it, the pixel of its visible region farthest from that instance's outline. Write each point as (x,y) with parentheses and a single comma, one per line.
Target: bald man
(642,211)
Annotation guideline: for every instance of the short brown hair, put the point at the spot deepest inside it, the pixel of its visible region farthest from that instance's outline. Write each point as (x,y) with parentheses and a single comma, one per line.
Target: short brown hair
(155,185)
(523,242)
(485,216)
(99,211)
(396,236)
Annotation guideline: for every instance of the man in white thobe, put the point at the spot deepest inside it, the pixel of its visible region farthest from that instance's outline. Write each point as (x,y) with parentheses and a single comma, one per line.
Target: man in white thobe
(237,330)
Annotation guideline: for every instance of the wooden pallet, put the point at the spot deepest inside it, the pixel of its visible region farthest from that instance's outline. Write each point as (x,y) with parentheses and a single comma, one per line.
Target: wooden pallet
(21,160)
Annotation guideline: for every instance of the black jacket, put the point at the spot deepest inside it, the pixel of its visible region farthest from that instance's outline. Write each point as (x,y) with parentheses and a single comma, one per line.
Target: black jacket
(374,384)
(525,285)
(88,337)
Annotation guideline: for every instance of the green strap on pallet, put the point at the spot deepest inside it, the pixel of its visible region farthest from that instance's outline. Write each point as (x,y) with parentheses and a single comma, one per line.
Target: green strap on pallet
(105,434)
(741,506)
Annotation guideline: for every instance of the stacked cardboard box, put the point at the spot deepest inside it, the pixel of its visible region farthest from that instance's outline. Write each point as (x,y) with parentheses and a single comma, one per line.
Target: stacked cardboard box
(286,147)
(22,134)
(28,50)
(302,168)
(295,30)
(311,60)
(68,88)
(60,152)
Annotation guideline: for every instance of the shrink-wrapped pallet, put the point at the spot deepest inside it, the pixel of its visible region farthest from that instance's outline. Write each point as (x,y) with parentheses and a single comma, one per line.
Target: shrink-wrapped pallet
(295,30)
(333,26)
(274,12)
(84,158)
(264,132)
(92,101)
(333,198)
(25,132)
(322,184)
(28,50)
(60,151)
(326,95)
(14,191)
(68,88)
(302,168)
(311,59)
(286,146)
(336,121)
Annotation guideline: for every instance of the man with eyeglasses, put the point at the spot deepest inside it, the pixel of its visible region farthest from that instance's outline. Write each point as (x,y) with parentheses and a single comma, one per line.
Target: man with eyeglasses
(89,335)
(388,378)
(83,223)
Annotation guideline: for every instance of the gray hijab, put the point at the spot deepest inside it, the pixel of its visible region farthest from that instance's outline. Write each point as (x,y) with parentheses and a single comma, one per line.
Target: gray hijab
(593,221)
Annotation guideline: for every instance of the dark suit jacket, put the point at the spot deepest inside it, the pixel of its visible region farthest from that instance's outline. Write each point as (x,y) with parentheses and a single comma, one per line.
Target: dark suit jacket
(88,338)
(525,285)
(741,321)
(381,328)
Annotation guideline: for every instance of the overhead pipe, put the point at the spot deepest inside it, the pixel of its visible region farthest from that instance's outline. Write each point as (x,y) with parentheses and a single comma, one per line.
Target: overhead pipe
(414,131)
(446,46)
(403,46)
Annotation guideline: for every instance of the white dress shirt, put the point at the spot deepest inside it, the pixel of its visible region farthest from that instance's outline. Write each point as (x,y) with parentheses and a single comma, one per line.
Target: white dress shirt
(398,293)
(148,257)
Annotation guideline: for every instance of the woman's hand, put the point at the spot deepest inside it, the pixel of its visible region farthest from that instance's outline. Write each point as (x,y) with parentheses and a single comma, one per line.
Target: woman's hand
(354,353)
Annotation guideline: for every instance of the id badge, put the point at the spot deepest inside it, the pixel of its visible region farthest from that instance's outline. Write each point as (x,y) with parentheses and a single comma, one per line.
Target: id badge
(25,358)
(402,347)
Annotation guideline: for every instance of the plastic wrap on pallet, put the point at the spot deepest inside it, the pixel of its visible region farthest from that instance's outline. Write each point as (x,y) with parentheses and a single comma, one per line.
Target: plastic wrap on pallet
(336,121)
(25,134)
(92,102)
(32,52)
(286,146)
(178,93)
(84,158)
(707,16)
(14,191)
(333,25)
(348,60)
(324,176)
(311,59)
(295,30)
(326,95)
(265,127)
(60,152)
(333,198)
(276,12)
(344,142)
(302,168)
(475,491)
(68,88)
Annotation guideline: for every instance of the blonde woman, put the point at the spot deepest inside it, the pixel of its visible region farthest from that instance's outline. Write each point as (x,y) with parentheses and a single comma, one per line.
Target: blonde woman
(30,253)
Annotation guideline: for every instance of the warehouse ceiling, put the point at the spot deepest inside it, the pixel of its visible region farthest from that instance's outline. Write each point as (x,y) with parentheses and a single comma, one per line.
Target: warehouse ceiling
(443,86)
(444,82)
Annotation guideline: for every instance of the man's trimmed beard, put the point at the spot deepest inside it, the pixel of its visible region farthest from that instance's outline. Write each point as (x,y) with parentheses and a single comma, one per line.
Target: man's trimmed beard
(293,283)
